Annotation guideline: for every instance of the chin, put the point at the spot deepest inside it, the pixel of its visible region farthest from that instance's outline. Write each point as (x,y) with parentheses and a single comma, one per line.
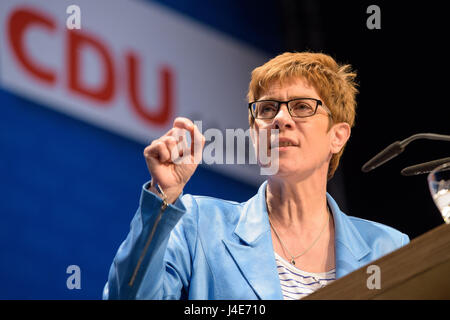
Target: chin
(287,169)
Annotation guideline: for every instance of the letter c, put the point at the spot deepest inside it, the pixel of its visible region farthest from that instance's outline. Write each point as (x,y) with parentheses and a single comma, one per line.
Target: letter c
(19,21)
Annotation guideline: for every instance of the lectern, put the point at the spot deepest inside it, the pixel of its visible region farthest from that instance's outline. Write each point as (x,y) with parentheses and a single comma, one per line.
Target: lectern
(419,270)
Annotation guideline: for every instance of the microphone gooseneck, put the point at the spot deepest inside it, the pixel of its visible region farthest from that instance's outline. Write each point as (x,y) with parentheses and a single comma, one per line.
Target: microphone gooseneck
(397,147)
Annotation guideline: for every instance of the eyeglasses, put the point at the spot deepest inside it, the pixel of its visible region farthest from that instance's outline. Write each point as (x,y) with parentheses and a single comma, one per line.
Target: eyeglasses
(298,108)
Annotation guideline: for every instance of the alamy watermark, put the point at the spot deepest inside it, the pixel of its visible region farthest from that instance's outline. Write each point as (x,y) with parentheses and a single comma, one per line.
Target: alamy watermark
(237,147)
(374,20)
(74,19)
(374,280)
(74,280)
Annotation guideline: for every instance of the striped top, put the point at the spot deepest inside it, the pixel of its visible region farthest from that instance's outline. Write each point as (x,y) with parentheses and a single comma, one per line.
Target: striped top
(296,283)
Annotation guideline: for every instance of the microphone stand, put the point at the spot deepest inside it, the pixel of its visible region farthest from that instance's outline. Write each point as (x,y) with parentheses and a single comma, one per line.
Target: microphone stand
(398,147)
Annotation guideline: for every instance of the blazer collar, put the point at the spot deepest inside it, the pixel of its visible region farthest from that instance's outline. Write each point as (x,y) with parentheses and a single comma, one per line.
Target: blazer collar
(254,254)
(254,220)
(350,247)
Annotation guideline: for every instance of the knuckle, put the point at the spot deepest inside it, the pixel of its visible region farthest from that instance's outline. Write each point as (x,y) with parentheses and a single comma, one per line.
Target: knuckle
(169,140)
(147,150)
(170,132)
(153,144)
(156,147)
(183,120)
(179,119)
(172,140)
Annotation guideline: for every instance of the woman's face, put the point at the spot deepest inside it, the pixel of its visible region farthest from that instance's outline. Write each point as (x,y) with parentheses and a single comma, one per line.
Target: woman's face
(310,142)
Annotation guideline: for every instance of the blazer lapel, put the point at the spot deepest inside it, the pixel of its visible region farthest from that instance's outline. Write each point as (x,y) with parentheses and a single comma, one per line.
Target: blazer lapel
(257,265)
(253,250)
(350,247)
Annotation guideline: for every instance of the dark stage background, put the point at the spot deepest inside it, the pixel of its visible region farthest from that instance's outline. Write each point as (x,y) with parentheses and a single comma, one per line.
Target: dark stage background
(69,189)
(402,70)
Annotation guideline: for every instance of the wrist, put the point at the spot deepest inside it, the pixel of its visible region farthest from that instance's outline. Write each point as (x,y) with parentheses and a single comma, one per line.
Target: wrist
(170,195)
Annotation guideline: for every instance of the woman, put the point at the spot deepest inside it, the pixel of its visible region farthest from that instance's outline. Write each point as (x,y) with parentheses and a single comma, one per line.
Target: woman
(290,238)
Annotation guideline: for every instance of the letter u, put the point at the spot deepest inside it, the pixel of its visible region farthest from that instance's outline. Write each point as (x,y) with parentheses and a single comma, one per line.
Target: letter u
(163,113)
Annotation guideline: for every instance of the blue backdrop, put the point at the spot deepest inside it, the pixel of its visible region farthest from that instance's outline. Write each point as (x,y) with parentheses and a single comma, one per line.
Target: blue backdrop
(69,190)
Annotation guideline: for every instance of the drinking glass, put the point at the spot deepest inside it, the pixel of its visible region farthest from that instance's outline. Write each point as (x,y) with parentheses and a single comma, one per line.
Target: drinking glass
(439,183)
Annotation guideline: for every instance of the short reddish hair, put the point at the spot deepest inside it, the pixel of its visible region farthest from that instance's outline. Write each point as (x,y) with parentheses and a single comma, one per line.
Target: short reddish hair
(335,84)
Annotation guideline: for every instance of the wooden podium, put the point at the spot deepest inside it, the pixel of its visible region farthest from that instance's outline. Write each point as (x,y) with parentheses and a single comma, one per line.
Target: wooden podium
(419,270)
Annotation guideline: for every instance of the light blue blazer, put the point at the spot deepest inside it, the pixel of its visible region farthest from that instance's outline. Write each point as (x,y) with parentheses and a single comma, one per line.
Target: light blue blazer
(208,248)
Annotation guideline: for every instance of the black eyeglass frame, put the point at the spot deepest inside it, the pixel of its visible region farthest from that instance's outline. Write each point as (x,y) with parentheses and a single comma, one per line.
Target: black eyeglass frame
(279,103)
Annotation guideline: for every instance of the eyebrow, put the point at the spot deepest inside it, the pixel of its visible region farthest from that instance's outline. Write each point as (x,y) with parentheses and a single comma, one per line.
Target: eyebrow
(290,98)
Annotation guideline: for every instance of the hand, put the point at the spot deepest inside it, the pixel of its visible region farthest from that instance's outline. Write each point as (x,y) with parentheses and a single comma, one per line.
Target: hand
(171,161)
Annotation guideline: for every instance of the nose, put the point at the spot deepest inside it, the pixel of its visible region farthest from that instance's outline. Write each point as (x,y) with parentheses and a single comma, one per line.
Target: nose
(283,119)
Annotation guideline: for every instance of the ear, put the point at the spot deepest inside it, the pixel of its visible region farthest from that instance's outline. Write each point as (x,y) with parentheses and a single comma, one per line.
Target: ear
(339,135)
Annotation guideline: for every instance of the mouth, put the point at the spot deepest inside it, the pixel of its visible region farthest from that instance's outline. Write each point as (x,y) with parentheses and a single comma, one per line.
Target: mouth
(287,144)
(283,144)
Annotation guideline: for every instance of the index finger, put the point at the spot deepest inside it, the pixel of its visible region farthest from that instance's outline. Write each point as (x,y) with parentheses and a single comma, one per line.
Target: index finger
(197,140)
(183,123)
(180,126)
(197,144)
(187,124)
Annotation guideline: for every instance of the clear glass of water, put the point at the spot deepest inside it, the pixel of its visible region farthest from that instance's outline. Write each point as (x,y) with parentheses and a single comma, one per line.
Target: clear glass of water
(439,183)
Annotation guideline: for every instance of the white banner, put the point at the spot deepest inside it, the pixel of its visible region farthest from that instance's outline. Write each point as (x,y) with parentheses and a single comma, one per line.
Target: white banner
(131,68)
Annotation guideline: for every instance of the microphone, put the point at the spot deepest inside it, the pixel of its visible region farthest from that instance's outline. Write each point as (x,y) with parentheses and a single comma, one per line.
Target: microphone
(425,167)
(384,156)
(394,149)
